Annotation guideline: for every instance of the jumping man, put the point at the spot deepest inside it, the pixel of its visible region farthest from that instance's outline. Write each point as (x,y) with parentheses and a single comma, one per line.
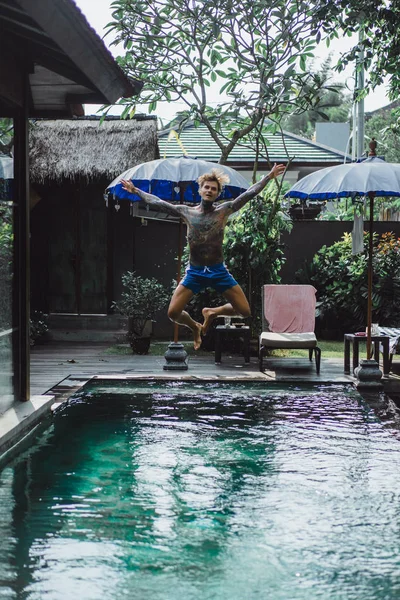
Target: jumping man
(205,225)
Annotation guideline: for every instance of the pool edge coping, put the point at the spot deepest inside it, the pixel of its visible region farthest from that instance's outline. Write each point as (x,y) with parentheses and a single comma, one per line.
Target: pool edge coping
(18,420)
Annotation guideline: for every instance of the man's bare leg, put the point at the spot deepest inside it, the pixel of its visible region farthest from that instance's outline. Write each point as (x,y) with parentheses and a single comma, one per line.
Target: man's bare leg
(237,306)
(210,314)
(180,298)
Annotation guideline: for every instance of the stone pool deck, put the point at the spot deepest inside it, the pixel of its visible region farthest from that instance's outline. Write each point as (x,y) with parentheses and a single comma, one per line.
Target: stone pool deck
(58,369)
(60,365)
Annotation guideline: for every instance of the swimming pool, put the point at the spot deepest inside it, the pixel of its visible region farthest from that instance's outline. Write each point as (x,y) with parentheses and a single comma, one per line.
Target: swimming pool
(212,491)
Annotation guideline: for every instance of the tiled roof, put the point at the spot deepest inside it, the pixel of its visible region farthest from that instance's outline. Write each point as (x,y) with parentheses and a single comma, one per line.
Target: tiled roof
(198,143)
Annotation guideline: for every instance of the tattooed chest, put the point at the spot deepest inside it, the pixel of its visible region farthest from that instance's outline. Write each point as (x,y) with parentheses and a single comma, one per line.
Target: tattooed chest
(205,229)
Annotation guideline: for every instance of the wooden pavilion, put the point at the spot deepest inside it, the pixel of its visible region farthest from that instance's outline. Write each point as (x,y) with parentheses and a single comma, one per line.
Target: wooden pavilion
(51,63)
(80,245)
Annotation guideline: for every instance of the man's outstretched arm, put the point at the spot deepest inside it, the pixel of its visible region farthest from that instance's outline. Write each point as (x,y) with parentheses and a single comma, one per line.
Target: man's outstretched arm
(255,189)
(176,210)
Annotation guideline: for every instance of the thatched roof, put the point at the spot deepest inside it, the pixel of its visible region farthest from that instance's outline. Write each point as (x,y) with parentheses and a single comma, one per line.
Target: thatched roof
(73,148)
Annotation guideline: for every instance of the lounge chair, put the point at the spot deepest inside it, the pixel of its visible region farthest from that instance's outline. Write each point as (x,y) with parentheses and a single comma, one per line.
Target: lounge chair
(394,334)
(288,320)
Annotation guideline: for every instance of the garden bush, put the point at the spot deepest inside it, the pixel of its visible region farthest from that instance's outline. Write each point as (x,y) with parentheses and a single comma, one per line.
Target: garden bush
(6,247)
(341,281)
(140,301)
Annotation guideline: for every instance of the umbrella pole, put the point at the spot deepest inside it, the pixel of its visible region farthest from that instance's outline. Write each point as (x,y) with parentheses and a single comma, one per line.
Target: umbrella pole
(176,354)
(370,251)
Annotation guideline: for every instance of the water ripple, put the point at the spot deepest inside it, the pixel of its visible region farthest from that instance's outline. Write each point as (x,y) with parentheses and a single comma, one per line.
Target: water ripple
(205,492)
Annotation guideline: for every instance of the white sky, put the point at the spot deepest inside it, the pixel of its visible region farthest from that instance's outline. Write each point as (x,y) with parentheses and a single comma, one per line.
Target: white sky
(98,14)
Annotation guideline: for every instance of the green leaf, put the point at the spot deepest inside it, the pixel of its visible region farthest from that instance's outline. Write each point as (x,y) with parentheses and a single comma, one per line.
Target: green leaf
(215,29)
(125,112)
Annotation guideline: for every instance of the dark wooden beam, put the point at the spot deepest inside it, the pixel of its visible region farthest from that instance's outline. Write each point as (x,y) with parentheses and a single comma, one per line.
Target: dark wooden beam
(51,114)
(6,109)
(21,264)
(84,99)
(63,22)
(18,25)
(110,292)
(55,61)
(11,80)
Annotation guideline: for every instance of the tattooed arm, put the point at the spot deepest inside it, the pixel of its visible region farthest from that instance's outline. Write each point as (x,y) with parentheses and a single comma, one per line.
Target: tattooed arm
(177,210)
(255,189)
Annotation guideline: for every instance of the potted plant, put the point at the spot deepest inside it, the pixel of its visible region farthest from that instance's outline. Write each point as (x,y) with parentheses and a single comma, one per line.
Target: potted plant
(38,327)
(140,301)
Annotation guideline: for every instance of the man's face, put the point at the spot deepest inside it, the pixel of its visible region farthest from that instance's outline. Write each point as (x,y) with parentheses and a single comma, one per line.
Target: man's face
(209,191)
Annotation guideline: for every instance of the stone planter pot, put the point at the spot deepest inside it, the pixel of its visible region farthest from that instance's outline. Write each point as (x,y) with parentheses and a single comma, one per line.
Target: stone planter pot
(140,344)
(302,212)
(369,375)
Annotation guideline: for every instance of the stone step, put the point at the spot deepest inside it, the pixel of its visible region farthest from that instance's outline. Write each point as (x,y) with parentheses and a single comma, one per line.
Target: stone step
(66,322)
(86,335)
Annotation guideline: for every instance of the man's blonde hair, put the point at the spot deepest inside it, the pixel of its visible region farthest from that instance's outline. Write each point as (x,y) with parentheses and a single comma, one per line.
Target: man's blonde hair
(215,175)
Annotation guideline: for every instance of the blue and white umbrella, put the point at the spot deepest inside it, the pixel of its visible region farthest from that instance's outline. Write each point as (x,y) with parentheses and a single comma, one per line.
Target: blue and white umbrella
(372,177)
(175,180)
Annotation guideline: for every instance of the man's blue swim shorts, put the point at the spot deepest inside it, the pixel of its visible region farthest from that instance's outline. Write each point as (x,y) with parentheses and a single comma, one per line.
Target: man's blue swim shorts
(215,276)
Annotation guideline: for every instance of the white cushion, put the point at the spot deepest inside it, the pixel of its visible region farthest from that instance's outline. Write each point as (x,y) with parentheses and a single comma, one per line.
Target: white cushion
(288,340)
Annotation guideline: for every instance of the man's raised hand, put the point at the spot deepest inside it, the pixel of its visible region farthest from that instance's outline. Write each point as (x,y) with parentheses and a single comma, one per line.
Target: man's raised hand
(128,186)
(276,171)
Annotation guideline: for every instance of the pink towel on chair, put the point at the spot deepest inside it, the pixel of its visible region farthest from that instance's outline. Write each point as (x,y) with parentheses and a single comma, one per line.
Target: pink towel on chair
(290,308)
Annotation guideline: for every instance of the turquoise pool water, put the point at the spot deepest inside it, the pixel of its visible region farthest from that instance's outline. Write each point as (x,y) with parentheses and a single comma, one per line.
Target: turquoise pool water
(204,492)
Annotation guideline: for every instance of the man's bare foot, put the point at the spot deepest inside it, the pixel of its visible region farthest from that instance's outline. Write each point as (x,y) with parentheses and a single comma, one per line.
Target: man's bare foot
(209,316)
(197,336)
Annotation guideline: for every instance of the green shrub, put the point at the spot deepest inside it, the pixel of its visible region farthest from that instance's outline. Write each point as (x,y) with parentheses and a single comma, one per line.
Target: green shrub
(6,250)
(341,280)
(141,299)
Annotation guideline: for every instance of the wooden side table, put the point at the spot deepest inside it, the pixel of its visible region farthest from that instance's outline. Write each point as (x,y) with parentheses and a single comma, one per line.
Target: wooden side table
(354,341)
(222,332)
